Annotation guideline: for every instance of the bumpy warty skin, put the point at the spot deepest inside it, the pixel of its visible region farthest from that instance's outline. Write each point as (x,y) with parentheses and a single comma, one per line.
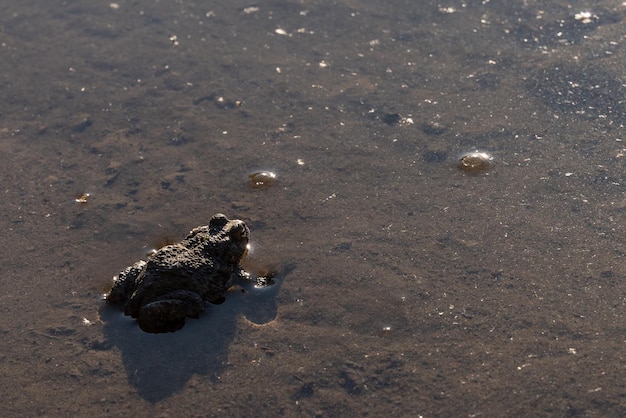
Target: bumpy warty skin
(178,279)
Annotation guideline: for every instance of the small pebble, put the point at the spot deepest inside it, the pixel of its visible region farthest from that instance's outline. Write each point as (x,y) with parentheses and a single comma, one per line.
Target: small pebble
(475,162)
(82,198)
(262,179)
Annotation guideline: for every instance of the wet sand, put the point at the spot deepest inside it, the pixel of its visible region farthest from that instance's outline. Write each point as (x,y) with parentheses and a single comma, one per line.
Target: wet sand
(406,286)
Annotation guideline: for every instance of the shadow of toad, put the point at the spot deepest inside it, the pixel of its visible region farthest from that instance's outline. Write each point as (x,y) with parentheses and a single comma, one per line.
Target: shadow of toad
(159,365)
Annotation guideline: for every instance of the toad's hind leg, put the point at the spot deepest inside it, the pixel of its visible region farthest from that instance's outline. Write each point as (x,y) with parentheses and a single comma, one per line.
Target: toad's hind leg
(168,314)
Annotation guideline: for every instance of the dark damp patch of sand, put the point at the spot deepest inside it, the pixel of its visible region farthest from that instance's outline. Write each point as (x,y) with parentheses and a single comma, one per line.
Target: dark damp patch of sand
(408,288)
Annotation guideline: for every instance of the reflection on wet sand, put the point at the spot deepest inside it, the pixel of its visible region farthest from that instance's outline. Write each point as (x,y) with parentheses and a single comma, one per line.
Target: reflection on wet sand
(158,365)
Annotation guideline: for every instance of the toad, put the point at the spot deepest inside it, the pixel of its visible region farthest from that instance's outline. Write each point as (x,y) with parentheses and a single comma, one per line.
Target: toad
(178,280)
